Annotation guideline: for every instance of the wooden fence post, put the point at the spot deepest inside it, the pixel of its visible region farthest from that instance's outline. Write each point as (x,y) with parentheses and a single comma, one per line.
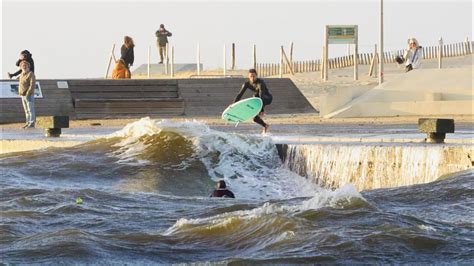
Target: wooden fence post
(110,60)
(356,62)
(287,61)
(291,52)
(374,63)
(281,62)
(468,50)
(440,52)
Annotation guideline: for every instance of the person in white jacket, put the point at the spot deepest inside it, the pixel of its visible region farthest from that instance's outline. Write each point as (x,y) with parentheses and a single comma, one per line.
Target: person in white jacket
(412,56)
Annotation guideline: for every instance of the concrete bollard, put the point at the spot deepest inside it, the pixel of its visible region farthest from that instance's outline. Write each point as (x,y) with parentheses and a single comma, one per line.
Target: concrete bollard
(52,124)
(436,128)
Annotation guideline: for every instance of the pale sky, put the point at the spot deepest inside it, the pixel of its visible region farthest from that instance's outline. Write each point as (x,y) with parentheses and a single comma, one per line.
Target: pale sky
(73,39)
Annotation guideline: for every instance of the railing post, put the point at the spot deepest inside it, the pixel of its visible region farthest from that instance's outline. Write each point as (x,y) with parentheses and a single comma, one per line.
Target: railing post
(224,61)
(233,57)
(254,56)
(198,60)
(440,52)
(166,58)
(149,62)
(172,61)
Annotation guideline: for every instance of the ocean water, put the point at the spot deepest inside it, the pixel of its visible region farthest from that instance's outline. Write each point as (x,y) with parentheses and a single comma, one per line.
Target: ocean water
(145,192)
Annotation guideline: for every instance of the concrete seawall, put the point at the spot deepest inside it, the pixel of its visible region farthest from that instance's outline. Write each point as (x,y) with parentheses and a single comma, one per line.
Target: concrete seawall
(376,165)
(377,158)
(158,98)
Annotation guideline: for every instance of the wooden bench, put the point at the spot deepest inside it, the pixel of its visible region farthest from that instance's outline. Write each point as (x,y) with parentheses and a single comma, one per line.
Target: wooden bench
(126,98)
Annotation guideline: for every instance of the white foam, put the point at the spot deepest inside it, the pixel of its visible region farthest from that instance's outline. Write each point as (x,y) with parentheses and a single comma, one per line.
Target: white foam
(130,146)
(427,227)
(248,163)
(322,198)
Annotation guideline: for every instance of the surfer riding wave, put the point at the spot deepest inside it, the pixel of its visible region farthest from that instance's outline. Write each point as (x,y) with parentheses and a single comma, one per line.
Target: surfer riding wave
(258,86)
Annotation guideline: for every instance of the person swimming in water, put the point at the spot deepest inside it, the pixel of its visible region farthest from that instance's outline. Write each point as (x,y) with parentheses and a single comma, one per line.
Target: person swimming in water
(260,90)
(221,191)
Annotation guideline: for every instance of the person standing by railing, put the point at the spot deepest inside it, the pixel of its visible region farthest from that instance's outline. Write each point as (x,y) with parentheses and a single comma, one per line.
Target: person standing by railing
(162,39)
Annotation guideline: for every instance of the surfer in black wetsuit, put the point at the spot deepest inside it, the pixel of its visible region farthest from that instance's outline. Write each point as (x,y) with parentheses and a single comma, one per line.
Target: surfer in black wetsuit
(221,191)
(260,90)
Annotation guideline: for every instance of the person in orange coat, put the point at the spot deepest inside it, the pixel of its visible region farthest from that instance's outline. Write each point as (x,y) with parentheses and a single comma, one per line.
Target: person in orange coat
(120,71)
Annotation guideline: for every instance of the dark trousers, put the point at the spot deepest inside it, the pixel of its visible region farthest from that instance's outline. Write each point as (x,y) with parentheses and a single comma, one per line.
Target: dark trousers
(257,119)
(162,51)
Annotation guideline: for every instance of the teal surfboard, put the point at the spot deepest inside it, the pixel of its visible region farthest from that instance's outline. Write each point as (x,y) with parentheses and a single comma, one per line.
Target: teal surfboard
(242,110)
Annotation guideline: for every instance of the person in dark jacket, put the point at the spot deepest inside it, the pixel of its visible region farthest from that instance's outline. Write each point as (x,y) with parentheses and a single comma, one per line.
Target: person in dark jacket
(126,52)
(221,191)
(162,39)
(25,55)
(260,90)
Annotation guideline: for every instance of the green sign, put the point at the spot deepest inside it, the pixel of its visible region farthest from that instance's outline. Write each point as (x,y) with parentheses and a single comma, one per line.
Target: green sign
(337,34)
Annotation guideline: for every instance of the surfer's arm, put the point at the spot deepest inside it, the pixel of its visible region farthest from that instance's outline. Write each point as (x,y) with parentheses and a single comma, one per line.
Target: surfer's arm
(263,89)
(241,93)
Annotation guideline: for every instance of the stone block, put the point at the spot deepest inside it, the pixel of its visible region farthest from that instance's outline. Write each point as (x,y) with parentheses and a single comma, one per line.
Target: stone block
(435,125)
(52,122)
(436,128)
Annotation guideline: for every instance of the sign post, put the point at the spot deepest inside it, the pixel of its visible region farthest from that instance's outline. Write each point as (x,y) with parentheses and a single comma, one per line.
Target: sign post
(341,34)
(381,56)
